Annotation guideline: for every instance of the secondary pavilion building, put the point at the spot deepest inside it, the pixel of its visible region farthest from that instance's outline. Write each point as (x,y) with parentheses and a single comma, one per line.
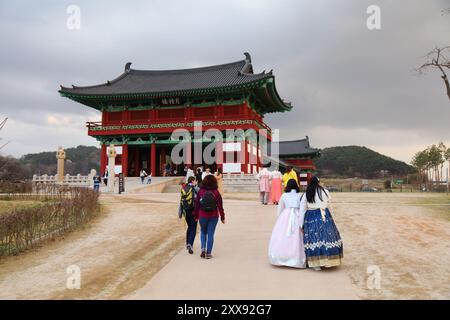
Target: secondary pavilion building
(141,108)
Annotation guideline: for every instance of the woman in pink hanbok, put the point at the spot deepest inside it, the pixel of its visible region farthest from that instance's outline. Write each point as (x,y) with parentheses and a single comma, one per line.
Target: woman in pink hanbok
(286,243)
(276,187)
(264,185)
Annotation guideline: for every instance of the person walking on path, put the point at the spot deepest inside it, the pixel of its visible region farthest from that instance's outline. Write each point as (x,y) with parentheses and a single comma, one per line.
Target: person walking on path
(276,188)
(142,174)
(288,175)
(188,195)
(206,172)
(219,176)
(198,176)
(149,178)
(323,244)
(97,181)
(105,177)
(167,170)
(207,210)
(189,173)
(286,243)
(264,185)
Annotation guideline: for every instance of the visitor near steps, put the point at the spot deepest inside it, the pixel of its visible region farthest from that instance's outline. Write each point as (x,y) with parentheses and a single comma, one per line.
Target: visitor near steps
(189,173)
(142,175)
(323,244)
(276,189)
(219,176)
(288,175)
(264,185)
(286,243)
(207,210)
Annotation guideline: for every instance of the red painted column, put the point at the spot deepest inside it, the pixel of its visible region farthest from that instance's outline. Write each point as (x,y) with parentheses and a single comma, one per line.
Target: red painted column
(153,158)
(163,157)
(137,166)
(102,159)
(244,156)
(125,160)
(219,154)
(188,158)
(252,157)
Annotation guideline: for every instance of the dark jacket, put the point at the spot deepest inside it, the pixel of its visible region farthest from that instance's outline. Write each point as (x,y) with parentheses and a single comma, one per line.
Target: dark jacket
(199,213)
(198,177)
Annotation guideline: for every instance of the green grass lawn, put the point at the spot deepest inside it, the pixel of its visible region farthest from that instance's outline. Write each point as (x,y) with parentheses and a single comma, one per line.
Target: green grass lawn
(438,202)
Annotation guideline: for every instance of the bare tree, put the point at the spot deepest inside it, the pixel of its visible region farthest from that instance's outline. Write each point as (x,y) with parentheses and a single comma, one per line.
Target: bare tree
(438,59)
(2,124)
(5,161)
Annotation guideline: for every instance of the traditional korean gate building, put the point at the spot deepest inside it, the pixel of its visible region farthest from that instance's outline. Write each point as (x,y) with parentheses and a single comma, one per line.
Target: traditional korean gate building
(141,108)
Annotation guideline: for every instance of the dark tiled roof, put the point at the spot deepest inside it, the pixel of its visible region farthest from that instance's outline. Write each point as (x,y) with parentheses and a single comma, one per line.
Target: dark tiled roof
(294,147)
(148,81)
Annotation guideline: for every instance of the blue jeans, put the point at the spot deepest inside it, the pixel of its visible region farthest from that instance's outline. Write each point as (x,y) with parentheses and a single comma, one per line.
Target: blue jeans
(191,228)
(207,229)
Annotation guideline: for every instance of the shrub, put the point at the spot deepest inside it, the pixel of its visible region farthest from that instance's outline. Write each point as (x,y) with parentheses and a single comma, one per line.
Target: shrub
(64,209)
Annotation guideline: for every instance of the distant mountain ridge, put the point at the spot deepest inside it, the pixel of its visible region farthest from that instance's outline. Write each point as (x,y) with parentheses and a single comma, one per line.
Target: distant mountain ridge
(341,161)
(357,161)
(80,159)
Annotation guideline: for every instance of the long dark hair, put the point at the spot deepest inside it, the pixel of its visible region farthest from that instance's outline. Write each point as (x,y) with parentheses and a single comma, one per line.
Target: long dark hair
(314,187)
(292,185)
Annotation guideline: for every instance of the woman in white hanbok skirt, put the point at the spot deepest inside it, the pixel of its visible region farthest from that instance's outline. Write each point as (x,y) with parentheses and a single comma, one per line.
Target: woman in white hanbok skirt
(286,243)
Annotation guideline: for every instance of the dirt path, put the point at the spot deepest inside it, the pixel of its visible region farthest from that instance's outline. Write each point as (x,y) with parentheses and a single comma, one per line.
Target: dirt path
(240,267)
(116,254)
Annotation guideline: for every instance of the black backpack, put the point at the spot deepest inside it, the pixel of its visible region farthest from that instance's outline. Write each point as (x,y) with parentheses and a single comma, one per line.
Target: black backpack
(208,202)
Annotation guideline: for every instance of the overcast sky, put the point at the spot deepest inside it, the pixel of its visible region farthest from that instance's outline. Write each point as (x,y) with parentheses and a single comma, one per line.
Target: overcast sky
(348,85)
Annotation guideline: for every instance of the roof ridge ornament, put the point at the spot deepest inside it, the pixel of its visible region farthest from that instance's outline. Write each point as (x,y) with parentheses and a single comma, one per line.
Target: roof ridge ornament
(248,57)
(128,66)
(247,68)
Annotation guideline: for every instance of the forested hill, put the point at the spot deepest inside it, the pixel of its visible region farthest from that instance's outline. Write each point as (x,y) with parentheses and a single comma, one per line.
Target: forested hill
(78,160)
(351,161)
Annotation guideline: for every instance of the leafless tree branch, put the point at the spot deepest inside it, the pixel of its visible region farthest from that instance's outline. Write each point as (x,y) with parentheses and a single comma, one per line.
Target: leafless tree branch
(437,59)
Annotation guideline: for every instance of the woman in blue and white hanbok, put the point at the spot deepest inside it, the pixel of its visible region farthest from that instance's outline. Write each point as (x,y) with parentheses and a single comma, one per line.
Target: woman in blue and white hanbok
(323,244)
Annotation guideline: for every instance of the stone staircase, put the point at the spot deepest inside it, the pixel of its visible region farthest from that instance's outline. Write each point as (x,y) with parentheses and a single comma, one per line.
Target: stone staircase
(240,182)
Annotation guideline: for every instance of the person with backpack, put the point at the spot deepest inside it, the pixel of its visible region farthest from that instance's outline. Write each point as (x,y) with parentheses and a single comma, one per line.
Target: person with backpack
(188,195)
(207,210)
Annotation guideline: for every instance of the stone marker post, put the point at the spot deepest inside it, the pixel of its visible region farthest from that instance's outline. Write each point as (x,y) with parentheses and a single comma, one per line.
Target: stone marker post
(61,156)
(91,176)
(111,164)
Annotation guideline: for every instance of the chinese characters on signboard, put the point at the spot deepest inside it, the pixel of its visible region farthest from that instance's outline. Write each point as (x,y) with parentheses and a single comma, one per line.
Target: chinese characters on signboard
(171,101)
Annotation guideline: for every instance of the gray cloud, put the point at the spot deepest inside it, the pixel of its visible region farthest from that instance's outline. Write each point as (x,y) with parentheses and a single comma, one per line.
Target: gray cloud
(349,85)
